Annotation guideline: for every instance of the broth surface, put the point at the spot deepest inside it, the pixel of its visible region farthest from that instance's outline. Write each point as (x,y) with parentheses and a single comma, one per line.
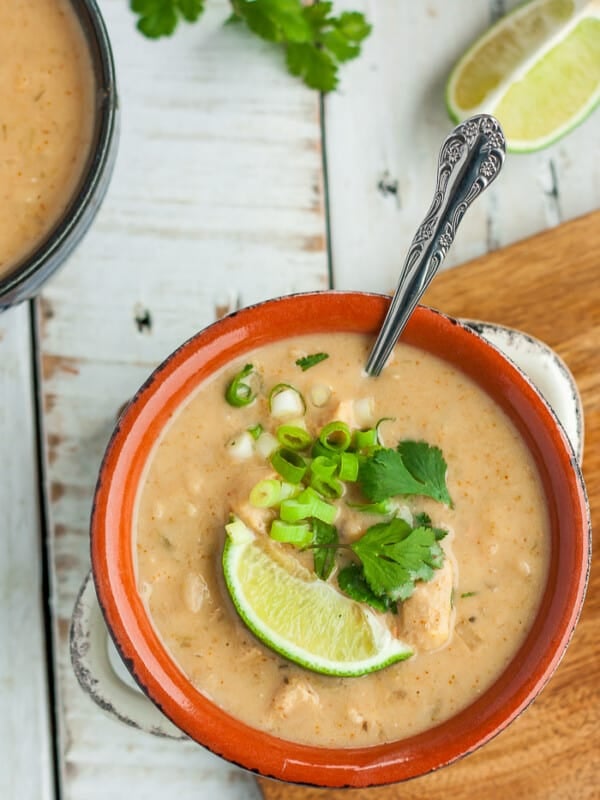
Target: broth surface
(499,536)
(46,120)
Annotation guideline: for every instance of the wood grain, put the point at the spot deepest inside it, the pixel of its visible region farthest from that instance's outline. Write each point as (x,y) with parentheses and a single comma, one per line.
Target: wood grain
(385,128)
(549,286)
(25,729)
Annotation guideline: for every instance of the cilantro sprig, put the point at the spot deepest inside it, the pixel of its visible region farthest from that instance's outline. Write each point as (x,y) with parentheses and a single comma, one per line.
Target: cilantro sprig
(395,556)
(353,582)
(414,468)
(161,17)
(315,41)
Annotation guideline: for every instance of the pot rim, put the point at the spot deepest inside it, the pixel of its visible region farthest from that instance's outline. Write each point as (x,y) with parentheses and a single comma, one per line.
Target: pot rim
(148,660)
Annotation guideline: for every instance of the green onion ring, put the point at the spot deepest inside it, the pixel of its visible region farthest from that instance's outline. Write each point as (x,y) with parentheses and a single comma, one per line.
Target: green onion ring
(336,436)
(293,437)
(298,534)
(239,392)
(266,493)
(348,468)
(289,464)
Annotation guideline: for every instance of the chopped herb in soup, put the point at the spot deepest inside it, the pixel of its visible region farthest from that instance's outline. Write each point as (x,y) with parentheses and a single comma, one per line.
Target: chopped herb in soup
(336,559)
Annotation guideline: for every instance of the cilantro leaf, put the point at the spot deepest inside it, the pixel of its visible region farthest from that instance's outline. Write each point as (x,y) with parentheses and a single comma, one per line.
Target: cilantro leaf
(315,40)
(352,582)
(426,463)
(394,556)
(424,520)
(274,20)
(383,474)
(339,46)
(353,26)
(160,17)
(316,67)
(309,361)
(415,468)
(324,557)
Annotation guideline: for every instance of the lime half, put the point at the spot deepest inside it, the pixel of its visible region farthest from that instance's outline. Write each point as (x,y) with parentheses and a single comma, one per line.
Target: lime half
(301,617)
(537,70)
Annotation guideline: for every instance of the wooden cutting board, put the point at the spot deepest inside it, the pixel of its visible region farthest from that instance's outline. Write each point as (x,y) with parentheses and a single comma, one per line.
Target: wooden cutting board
(549,286)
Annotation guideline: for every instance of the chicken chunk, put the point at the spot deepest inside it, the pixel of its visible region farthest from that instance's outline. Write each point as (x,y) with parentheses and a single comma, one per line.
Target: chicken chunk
(257,519)
(355,413)
(428,615)
(195,591)
(292,694)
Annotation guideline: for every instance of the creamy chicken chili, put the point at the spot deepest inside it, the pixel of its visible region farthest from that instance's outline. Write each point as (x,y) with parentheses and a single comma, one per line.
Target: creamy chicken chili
(464,625)
(46,120)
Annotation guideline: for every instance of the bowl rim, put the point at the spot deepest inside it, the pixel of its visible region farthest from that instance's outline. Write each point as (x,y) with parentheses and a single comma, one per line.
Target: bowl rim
(100,158)
(160,678)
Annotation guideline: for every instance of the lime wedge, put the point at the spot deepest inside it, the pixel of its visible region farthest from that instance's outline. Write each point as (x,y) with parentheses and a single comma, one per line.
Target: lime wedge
(537,70)
(302,618)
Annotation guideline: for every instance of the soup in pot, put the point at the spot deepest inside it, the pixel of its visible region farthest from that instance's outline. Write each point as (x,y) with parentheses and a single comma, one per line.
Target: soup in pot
(46,120)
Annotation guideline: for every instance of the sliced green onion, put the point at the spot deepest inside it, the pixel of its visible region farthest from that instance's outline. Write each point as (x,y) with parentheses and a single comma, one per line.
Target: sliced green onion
(295,510)
(285,401)
(239,391)
(386,506)
(266,444)
(323,478)
(323,466)
(238,531)
(348,468)
(270,492)
(328,487)
(241,447)
(290,490)
(298,534)
(365,440)
(378,425)
(319,450)
(321,509)
(336,436)
(307,504)
(255,430)
(293,437)
(289,464)
(320,394)
(266,494)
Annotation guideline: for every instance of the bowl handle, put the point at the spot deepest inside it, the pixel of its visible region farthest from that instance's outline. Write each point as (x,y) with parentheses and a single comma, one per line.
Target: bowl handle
(546,370)
(103,679)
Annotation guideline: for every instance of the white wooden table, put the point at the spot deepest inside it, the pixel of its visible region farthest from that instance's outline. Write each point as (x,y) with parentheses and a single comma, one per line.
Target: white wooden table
(234,183)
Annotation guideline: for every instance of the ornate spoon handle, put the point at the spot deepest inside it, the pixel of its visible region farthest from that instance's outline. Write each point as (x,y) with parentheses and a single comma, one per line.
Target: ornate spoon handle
(470,158)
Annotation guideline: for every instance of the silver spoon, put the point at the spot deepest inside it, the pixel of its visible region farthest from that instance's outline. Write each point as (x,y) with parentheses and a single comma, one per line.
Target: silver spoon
(470,158)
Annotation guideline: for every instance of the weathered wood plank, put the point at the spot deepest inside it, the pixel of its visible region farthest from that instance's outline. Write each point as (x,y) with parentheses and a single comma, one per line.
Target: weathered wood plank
(216,201)
(25,743)
(385,126)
